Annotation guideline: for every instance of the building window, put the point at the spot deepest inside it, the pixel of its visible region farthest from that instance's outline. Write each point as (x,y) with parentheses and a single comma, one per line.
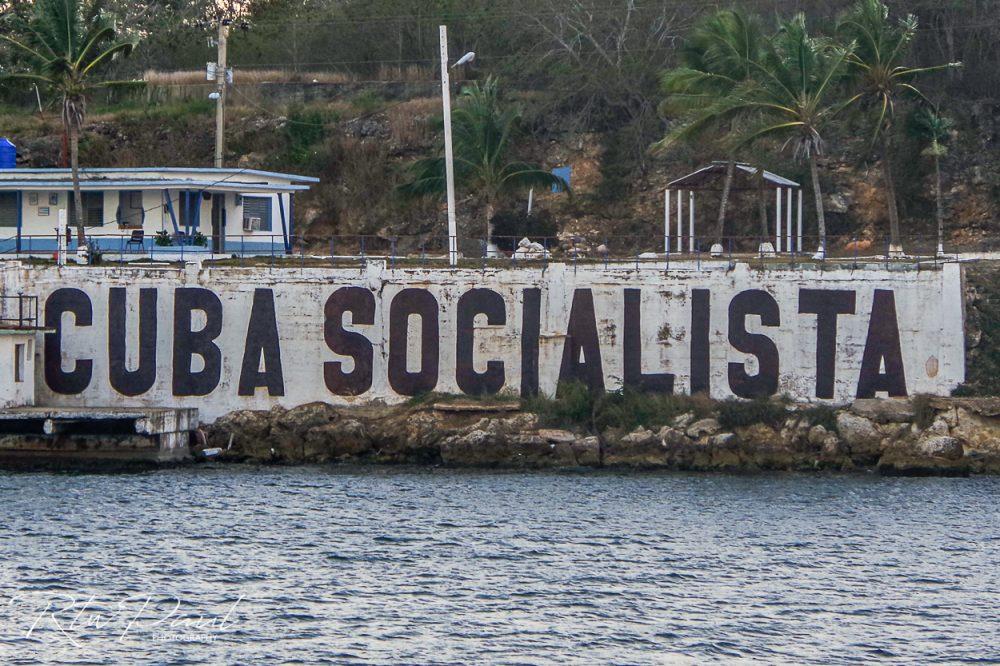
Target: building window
(19,362)
(189,210)
(130,211)
(93,209)
(257,213)
(8,209)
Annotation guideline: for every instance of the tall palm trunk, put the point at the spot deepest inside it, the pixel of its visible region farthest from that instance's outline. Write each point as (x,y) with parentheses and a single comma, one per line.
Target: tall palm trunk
(727,185)
(818,193)
(74,161)
(940,203)
(490,211)
(762,205)
(890,193)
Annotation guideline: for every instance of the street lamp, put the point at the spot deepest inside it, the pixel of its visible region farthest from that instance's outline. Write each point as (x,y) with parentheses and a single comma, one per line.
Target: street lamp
(449,158)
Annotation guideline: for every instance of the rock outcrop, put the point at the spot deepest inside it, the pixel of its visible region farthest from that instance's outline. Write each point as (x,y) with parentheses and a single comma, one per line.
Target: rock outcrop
(960,436)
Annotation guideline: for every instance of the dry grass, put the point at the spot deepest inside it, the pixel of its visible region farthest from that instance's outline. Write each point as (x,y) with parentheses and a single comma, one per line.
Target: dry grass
(247,76)
(407,73)
(409,121)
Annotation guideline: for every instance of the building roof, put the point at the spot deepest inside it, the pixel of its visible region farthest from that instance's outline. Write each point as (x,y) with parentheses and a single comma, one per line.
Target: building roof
(744,178)
(89,184)
(117,171)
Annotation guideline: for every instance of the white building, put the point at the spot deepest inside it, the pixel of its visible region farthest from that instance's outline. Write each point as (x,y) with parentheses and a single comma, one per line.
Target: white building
(19,331)
(147,210)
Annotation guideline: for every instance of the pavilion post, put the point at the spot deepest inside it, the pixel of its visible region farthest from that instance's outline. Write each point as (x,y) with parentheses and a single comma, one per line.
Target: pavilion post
(788,218)
(800,220)
(680,219)
(666,221)
(777,222)
(691,221)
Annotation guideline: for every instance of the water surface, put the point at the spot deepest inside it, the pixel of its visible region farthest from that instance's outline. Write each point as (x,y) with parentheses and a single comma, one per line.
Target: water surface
(239,565)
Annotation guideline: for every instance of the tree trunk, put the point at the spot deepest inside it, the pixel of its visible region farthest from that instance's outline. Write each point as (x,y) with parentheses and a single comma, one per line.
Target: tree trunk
(890,194)
(74,160)
(762,205)
(490,209)
(727,184)
(940,203)
(818,193)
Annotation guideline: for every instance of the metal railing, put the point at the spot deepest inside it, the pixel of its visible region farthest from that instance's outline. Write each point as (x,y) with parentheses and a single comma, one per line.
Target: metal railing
(18,311)
(431,249)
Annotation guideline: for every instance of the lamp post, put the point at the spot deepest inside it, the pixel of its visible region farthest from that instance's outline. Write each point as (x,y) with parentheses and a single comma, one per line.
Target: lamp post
(449,159)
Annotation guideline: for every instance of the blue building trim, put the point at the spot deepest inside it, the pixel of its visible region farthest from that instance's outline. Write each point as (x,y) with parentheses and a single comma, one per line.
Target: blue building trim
(284,226)
(117,245)
(170,209)
(20,218)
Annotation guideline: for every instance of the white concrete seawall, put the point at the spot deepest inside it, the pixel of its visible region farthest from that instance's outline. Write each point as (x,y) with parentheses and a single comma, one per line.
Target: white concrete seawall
(221,339)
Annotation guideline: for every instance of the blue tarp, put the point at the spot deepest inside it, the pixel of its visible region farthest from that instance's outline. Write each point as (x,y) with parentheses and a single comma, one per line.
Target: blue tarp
(566,173)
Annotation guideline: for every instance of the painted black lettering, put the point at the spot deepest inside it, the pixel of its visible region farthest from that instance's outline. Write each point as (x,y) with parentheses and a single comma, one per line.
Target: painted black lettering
(765,382)
(882,347)
(77,303)
(531,328)
(360,303)
(470,304)
(125,381)
(413,302)
(187,343)
(826,304)
(700,323)
(581,336)
(632,350)
(262,340)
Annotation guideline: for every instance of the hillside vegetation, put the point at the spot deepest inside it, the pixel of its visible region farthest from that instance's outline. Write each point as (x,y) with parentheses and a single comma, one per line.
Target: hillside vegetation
(346,91)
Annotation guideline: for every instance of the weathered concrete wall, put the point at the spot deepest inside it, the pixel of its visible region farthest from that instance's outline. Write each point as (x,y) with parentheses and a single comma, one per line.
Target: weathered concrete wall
(223,339)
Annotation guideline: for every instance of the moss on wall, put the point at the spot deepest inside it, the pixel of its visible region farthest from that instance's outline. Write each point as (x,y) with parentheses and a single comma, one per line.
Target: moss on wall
(982,330)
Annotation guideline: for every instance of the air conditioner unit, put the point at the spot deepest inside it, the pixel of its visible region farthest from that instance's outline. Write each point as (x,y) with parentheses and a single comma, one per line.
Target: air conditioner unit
(251,224)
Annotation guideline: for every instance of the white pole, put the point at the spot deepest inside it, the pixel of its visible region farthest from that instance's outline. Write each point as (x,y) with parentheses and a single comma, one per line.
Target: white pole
(680,219)
(691,221)
(777,223)
(788,218)
(800,219)
(531,197)
(61,238)
(449,159)
(666,221)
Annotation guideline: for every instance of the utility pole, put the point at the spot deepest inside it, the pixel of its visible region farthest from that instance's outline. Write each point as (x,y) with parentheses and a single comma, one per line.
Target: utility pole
(221,82)
(449,159)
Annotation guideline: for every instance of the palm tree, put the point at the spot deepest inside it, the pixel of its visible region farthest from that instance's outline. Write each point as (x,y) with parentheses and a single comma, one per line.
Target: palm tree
(62,44)
(876,65)
(791,98)
(935,129)
(715,60)
(483,129)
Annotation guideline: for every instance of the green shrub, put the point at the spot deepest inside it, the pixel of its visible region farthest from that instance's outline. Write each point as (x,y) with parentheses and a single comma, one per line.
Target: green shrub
(823,415)
(305,128)
(509,227)
(367,101)
(573,405)
(627,408)
(734,413)
(163,238)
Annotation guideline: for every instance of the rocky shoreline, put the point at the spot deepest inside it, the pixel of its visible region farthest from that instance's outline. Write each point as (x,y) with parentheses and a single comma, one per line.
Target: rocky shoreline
(922,436)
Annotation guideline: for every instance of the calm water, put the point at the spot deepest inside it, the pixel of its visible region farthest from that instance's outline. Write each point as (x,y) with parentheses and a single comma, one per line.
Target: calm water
(242,565)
